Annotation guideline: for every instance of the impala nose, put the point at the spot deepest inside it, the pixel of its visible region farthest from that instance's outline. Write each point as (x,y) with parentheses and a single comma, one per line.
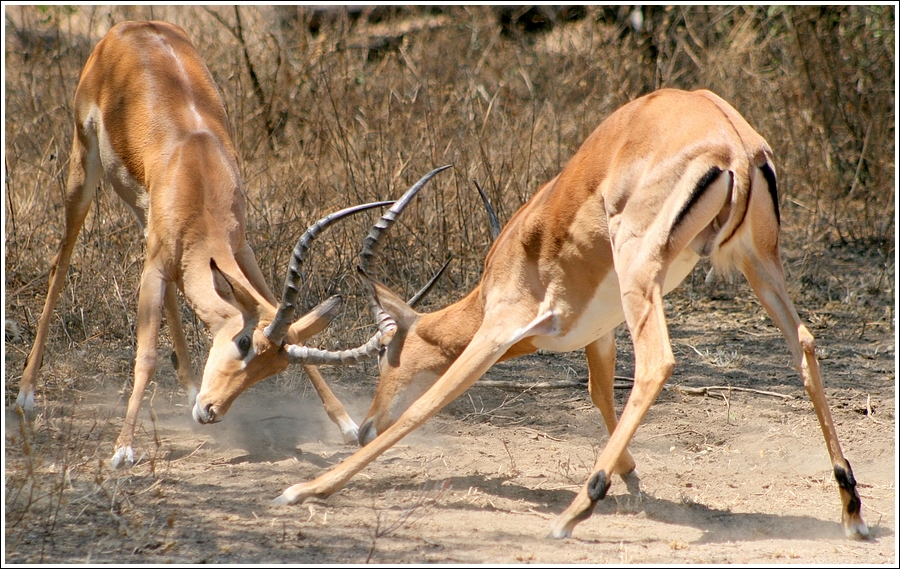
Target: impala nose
(367,433)
(204,414)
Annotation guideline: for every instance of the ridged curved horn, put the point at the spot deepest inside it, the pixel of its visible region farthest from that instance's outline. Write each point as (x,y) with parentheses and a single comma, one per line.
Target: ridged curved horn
(317,357)
(370,245)
(387,327)
(386,324)
(284,317)
(492,217)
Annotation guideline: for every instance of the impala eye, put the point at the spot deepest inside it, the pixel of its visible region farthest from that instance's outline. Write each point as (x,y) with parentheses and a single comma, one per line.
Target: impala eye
(243,345)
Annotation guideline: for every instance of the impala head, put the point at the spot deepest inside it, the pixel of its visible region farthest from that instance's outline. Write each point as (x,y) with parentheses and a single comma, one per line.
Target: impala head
(241,353)
(253,339)
(420,346)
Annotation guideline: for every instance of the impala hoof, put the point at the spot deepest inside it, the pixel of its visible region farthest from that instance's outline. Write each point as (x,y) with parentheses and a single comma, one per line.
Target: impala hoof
(367,433)
(296,494)
(559,533)
(633,483)
(25,404)
(123,457)
(280,501)
(350,433)
(856,529)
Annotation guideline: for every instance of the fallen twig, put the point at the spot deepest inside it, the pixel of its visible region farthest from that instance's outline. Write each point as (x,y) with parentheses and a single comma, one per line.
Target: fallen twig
(676,433)
(869,410)
(708,389)
(537,385)
(536,434)
(677,388)
(191,454)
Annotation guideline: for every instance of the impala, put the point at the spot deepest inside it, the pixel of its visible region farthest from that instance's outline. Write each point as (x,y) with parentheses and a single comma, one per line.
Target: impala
(667,179)
(149,116)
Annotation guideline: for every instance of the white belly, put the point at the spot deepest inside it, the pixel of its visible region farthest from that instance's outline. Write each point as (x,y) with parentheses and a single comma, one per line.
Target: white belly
(604,311)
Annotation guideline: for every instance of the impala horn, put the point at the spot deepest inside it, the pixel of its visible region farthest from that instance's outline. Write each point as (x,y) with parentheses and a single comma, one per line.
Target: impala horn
(386,325)
(285,316)
(492,217)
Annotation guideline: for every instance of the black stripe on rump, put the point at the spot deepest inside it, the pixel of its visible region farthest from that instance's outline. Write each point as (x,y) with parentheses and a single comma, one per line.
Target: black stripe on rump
(769,175)
(711,175)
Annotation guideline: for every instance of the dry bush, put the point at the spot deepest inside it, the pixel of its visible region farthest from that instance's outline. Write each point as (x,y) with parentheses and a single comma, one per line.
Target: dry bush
(332,108)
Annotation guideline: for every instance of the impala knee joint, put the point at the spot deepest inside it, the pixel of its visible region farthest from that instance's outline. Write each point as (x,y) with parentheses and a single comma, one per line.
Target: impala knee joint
(597,486)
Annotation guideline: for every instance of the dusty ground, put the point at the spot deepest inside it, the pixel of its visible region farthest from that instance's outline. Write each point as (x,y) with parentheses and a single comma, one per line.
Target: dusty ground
(733,477)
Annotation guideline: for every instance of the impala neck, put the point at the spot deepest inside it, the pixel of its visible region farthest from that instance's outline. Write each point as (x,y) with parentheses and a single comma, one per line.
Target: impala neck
(453,327)
(214,230)
(200,293)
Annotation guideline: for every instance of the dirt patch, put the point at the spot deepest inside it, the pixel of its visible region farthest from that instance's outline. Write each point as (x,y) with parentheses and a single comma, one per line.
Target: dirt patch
(731,477)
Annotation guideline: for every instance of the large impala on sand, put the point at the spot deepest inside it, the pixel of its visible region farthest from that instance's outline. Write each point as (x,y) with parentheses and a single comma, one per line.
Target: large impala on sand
(665,180)
(149,116)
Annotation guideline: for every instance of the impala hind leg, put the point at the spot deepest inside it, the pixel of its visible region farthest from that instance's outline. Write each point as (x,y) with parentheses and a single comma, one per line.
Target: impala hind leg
(182,355)
(761,264)
(150,303)
(84,175)
(767,281)
(601,358)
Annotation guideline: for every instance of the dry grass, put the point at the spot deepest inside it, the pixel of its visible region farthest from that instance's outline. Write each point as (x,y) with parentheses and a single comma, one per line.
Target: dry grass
(335,109)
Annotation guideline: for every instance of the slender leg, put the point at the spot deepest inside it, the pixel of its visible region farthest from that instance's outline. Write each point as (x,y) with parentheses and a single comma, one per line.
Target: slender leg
(766,276)
(601,358)
(641,286)
(483,351)
(335,409)
(643,250)
(84,175)
(773,295)
(150,302)
(183,367)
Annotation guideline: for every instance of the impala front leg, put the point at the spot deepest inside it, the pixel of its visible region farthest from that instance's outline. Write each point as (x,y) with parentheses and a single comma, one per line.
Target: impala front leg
(470,366)
(84,174)
(182,355)
(333,407)
(150,301)
(482,352)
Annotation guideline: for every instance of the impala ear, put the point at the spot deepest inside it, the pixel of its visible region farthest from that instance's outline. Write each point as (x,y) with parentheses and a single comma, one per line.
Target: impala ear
(314,321)
(233,292)
(402,313)
(392,305)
